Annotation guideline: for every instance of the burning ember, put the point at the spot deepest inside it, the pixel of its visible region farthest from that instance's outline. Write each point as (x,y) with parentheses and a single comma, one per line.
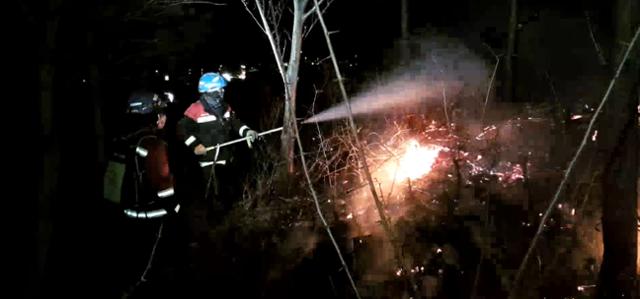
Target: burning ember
(409,169)
(416,162)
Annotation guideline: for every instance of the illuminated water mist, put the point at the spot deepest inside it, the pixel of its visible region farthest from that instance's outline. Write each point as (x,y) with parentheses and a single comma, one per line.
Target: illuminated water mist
(444,65)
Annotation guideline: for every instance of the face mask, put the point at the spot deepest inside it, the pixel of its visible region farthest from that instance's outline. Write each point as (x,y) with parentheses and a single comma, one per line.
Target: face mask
(214,103)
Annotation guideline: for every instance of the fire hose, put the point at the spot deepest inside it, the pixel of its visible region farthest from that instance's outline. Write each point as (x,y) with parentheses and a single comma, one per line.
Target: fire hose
(243,139)
(217,149)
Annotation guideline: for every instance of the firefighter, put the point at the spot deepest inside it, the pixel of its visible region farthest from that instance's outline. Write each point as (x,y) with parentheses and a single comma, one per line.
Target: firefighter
(138,176)
(140,181)
(207,122)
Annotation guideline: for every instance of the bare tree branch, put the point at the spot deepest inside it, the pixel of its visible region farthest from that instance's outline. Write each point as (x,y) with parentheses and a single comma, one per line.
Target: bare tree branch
(444,94)
(316,20)
(323,145)
(283,48)
(569,170)
(383,218)
(176,3)
(486,100)
(491,50)
(149,3)
(165,5)
(445,107)
(277,55)
(290,93)
(313,10)
(601,58)
(270,11)
(277,13)
(558,115)
(288,34)
(135,14)
(246,6)
(322,60)
(319,211)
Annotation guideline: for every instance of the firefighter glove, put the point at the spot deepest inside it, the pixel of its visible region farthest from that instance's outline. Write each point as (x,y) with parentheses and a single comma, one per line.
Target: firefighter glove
(252,136)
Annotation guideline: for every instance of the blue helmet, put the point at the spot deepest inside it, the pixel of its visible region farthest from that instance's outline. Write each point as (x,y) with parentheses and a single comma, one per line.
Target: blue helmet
(211,82)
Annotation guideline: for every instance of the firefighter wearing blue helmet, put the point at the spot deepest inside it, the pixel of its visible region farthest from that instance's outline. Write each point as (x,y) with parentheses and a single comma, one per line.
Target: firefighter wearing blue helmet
(207,122)
(210,121)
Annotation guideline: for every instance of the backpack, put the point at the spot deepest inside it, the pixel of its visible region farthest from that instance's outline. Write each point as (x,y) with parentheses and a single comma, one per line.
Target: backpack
(138,177)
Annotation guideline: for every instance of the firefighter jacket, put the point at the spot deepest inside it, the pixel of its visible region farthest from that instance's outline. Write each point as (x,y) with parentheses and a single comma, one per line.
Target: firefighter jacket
(201,127)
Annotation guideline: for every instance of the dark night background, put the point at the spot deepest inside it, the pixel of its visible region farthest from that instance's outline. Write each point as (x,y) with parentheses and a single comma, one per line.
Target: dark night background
(74,64)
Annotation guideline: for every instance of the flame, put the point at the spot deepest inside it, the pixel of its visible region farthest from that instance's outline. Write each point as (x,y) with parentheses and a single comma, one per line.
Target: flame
(416,162)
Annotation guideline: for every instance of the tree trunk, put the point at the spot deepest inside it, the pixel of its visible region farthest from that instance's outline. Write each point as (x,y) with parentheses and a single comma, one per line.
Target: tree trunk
(619,149)
(511,42)
(94,81)
(50,146)
(619,224)
(291,78)
(287,137)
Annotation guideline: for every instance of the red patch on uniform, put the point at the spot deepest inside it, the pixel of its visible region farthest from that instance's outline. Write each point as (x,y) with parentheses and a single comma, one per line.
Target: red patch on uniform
(195,110)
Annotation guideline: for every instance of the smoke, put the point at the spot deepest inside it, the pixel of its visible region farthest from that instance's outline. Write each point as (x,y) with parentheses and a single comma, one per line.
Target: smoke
(444,67)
